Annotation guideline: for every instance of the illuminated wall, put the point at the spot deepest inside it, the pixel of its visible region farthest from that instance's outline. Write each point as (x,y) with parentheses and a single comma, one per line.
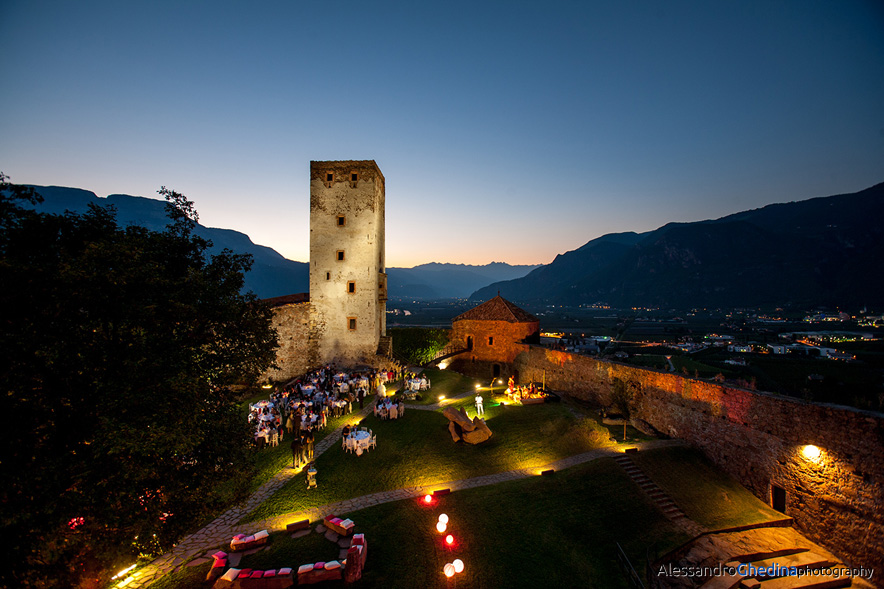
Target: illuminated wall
(836,498)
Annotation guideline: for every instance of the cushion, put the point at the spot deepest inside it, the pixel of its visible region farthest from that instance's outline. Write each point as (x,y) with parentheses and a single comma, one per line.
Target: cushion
(347,523)
(230,575)
(239,536)
(304,568)
(261,534)
(357,539)
(256,574)
(244,573)
(219,563)
(285,571)
(336,520)
(330,566)
(269,574)
(220,554)
(318,566)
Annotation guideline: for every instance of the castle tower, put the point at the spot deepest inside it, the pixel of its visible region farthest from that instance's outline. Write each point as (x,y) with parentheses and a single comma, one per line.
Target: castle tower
(348,283)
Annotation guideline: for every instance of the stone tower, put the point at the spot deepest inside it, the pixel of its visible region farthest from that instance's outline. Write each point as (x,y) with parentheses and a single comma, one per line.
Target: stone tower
(348,283)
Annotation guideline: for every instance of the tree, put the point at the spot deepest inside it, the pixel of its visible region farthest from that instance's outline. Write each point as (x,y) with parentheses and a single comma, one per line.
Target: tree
(119,344)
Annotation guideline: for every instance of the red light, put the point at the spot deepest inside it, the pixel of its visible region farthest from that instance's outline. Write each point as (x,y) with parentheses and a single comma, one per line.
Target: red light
(449,539)
(428,498)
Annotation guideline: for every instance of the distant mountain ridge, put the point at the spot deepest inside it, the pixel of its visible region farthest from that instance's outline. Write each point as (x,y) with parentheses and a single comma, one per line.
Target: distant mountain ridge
(272,274)
(821,251)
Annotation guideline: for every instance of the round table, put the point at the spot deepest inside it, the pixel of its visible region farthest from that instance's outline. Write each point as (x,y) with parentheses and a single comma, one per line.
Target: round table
(359,441)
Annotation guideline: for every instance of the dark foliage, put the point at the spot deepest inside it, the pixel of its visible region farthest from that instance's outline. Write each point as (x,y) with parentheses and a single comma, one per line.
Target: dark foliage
(418,345)
(118,345)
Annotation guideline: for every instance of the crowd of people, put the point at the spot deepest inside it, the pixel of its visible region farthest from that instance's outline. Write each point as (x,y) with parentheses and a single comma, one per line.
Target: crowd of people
(305,405)
(518,392)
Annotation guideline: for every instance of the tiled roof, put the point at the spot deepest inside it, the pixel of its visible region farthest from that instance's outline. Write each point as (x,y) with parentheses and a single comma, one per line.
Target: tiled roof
(302,297)
(497,309)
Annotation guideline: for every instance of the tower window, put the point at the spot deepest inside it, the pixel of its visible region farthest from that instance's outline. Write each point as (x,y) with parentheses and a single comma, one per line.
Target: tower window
(354,179)
(340,255)
(329,177)
(328,275)
(490,341)
(351,323)
(341,220)
(351,287)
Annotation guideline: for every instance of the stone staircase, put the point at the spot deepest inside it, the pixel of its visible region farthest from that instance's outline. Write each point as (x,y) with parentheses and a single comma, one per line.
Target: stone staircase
(773,572)
(663,501)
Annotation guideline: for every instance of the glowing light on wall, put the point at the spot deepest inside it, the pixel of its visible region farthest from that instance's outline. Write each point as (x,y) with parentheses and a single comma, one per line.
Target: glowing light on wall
(811,452)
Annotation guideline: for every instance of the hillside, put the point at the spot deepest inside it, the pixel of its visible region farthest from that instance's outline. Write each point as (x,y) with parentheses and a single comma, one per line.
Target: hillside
(822,251)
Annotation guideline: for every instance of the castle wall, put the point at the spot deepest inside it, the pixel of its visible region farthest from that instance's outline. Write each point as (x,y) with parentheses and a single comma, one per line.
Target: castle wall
(298,333)
(347,263)
(837,499)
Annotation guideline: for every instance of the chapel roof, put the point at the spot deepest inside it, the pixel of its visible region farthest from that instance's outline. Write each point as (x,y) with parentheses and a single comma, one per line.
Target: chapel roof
(302,297)
(497,309)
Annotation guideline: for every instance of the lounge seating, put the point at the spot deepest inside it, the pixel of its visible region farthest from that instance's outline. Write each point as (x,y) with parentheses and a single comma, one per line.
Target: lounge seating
(343,527)
(253,579)
(242,542)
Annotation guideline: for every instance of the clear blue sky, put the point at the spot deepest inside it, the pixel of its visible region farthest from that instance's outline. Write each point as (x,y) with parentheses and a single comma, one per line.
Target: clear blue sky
(507,131)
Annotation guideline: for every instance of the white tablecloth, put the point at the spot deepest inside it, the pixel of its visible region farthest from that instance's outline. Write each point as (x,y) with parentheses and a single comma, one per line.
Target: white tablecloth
(358,441)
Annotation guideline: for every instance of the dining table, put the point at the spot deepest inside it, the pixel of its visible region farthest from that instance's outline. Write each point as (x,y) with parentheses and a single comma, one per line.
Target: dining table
(358,441)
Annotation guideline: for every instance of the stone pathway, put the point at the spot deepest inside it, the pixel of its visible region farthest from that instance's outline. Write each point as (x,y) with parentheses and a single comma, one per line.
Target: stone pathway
(663,501)
(226,525)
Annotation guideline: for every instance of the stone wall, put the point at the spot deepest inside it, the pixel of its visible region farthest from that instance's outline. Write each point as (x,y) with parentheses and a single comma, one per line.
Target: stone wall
(836,498)
(481,359)
(298,333)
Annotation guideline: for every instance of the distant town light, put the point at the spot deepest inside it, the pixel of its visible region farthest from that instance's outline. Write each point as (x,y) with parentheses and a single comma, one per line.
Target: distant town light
(449,570)
(428,498)
(458,565)
(443,518)
(441,527)
(449,539)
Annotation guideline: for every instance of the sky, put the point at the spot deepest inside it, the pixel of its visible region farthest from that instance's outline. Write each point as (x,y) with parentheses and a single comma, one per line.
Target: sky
(506,131)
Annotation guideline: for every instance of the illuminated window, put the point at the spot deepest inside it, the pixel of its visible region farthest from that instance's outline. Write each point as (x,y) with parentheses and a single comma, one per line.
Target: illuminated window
(340,255)
(341,220)
(351,287)
(351,323)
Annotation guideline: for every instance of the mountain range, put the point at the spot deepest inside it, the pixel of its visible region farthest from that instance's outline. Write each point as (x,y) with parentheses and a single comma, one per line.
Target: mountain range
(272,274)
(822,251)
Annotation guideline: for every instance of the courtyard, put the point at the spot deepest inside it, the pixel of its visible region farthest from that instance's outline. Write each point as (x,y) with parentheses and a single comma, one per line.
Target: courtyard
(510,525)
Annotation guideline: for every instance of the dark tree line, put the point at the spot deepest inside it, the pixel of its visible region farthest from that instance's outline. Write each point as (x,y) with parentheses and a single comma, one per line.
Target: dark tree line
(117,348)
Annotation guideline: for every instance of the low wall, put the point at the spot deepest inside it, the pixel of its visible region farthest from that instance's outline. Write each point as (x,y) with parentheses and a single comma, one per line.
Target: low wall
(836,498)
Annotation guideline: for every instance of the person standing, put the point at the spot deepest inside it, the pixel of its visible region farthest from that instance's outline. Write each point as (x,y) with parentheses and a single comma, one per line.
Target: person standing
(480,410)
(296,452)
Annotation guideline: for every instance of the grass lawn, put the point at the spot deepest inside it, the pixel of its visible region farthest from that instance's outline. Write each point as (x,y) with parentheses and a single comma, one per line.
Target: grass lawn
(418,450)
(542,531)
(445,383)
(706,495)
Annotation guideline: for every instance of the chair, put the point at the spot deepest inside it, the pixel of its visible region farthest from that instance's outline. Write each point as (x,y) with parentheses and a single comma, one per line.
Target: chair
(363,429)
(394,413)
(374,442)
(423,386)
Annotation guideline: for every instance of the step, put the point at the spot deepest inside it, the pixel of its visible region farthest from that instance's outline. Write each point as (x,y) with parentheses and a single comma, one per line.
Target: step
(723,582)
(801,560)
(804,582)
